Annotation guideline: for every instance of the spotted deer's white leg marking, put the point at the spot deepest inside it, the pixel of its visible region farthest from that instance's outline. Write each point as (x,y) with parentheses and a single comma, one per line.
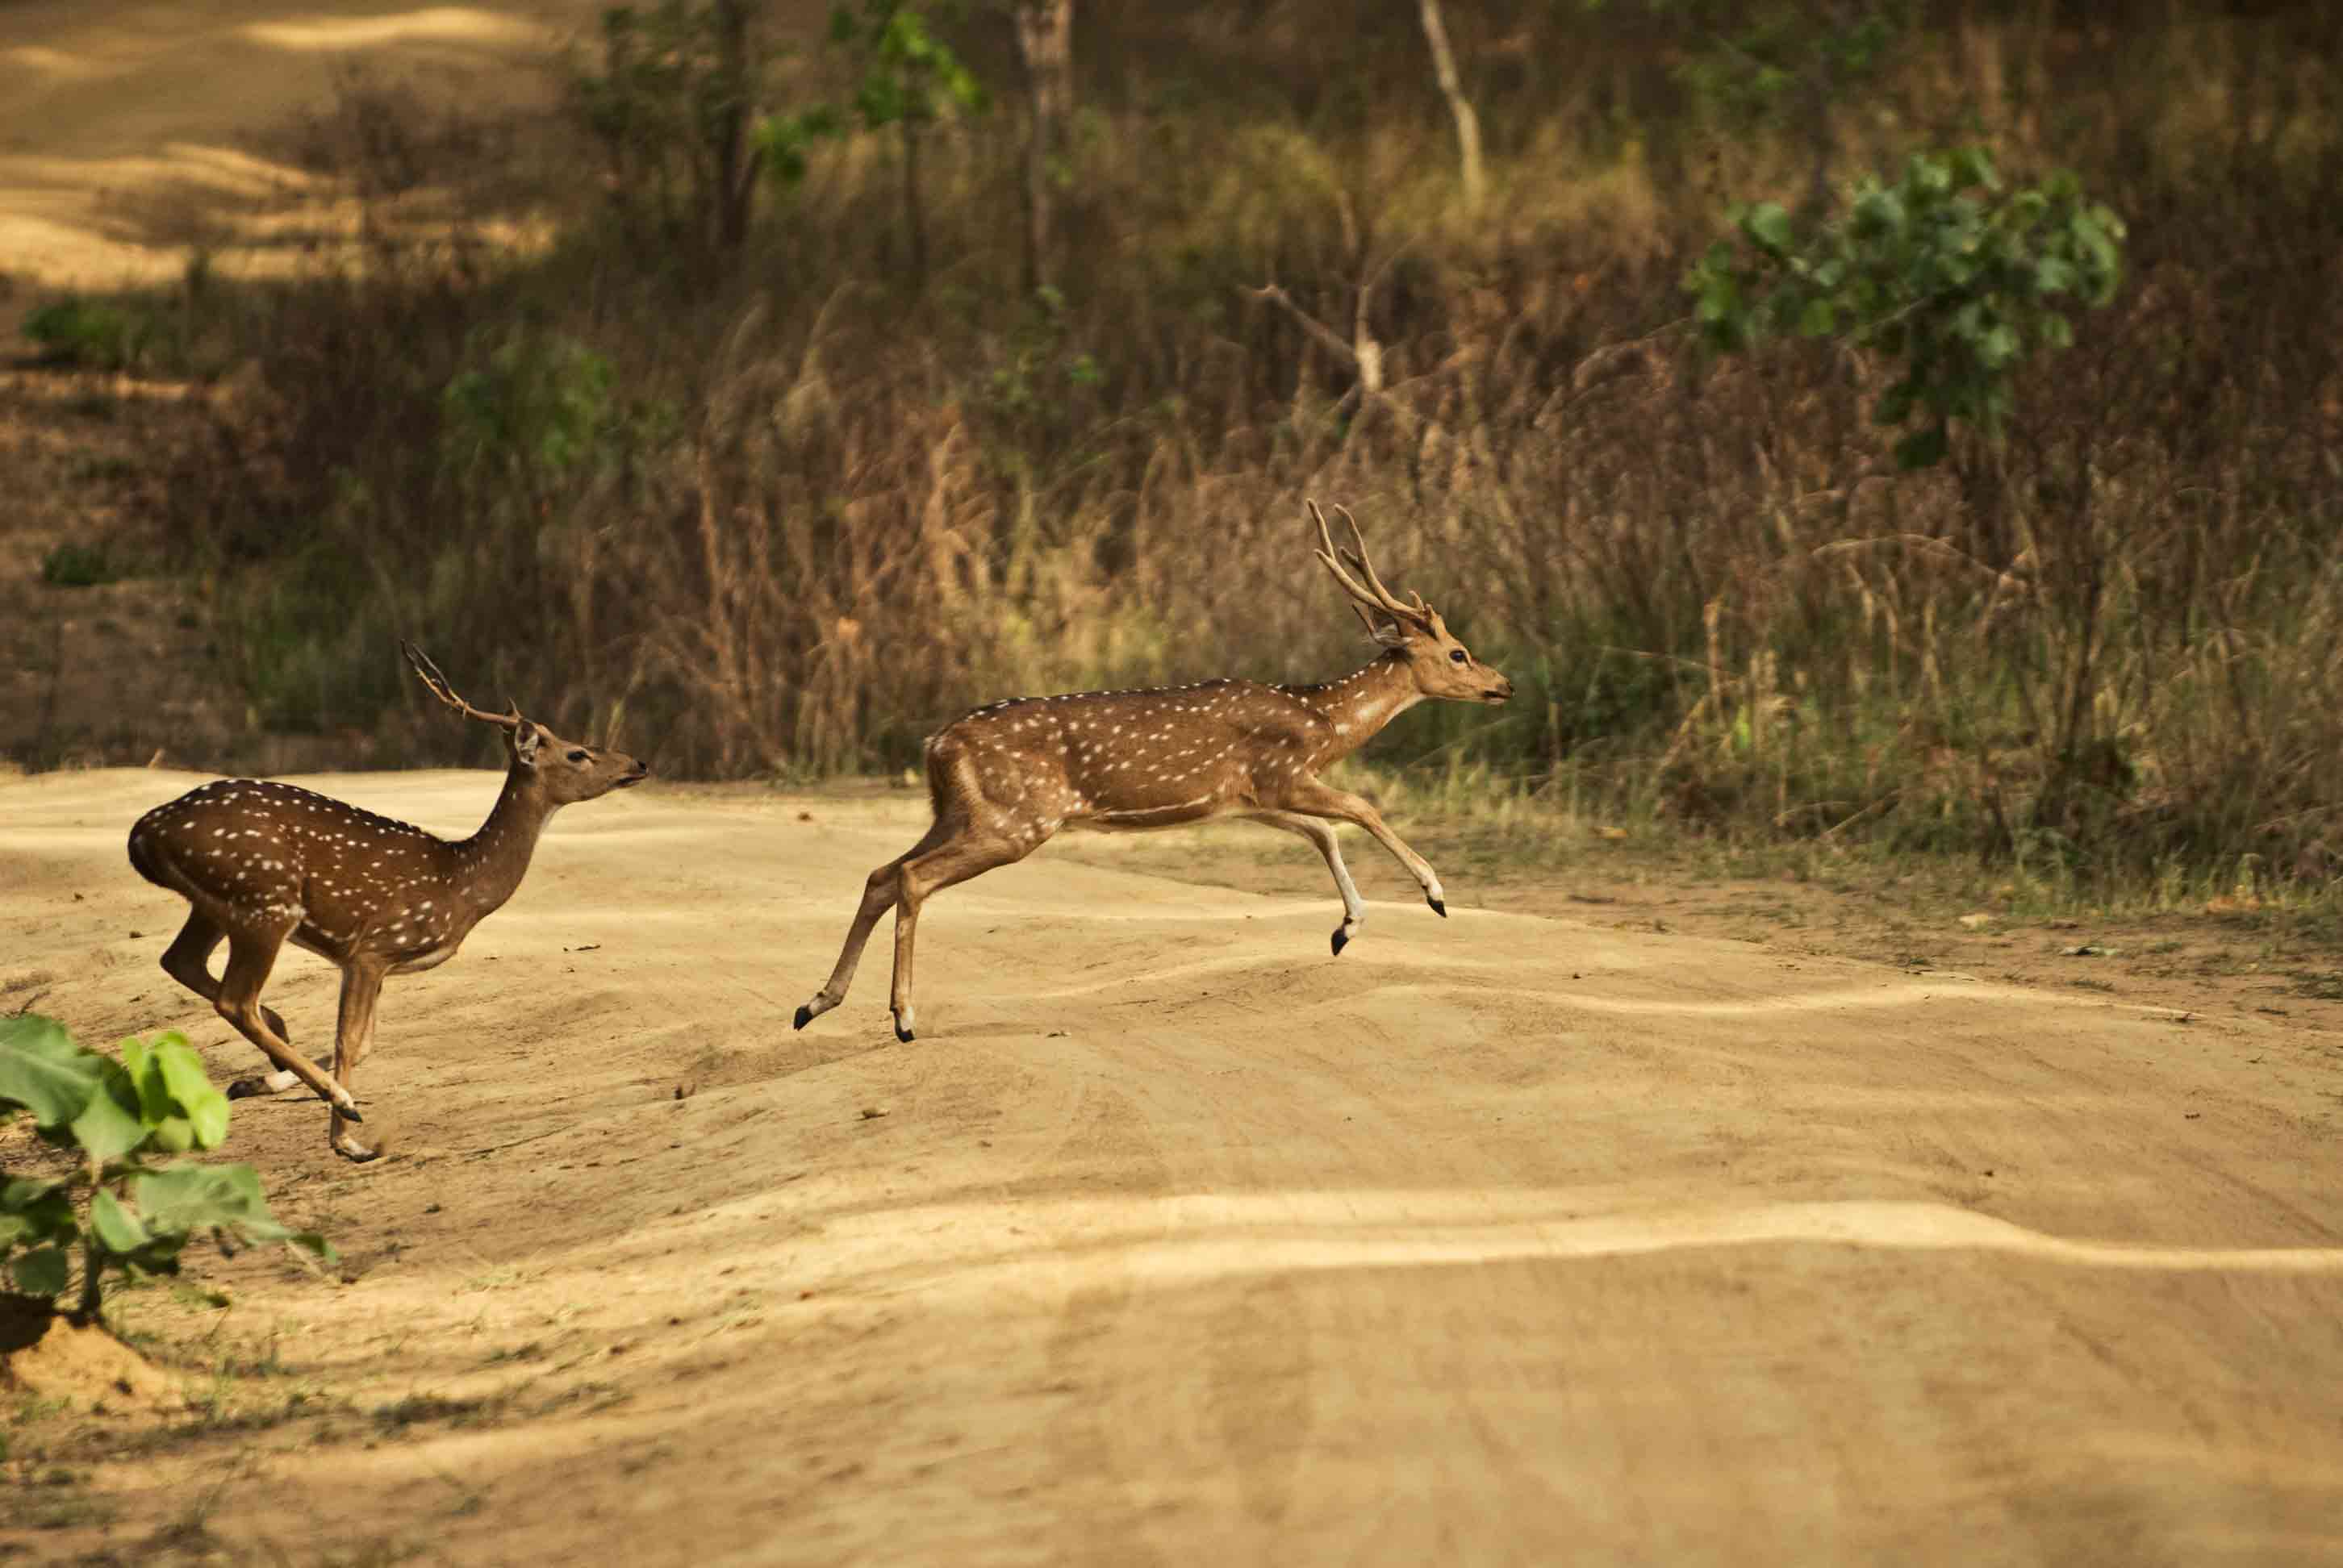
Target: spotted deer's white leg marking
(1003,779)
(1355,907)
(1319,801)
(261,864)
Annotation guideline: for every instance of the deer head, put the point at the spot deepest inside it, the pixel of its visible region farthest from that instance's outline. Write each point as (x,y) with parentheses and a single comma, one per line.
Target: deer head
(563,770)
(1413,630)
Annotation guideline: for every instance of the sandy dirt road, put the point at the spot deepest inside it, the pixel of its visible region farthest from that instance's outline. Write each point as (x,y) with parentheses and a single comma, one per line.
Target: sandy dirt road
(125,125)
(1497,1239)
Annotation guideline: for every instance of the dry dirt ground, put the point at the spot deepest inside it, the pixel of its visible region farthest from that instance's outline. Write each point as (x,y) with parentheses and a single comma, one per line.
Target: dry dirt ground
(1507,1237)
(126,126)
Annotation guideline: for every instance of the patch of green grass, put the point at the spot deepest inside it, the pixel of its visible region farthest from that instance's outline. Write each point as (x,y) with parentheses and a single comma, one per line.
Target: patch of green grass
(91,333)
(72,565)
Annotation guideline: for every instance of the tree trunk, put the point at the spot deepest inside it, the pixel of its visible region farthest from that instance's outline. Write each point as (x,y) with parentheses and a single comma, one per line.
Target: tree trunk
(736,163)
(1468,124)
(1045,43)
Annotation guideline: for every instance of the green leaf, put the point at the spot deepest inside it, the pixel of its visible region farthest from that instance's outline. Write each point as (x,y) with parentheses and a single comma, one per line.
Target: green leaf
(41,1070)
(310,1242)
(111,1124)
(117,1229)
(1923,449)
(1974,167)
(40,1273)
(156,1107)
(1768,226)
(199,1100)
(21,1194)
(1818,319)
(180,1199)
(34,1211)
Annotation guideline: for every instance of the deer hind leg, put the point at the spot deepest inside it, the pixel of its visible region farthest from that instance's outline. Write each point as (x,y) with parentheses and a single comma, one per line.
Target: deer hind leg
(251,954)
(188,960)
(1354,908)
(878,897)
(1317,799)
(353,1035)
(969,853)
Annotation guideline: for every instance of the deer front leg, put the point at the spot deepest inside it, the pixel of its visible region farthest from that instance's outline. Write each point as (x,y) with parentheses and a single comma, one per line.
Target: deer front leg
(1308,795)
(1354,908)
(251,954)
(353,1035)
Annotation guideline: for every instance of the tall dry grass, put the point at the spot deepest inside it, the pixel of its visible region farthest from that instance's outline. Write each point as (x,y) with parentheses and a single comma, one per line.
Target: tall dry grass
(780,512)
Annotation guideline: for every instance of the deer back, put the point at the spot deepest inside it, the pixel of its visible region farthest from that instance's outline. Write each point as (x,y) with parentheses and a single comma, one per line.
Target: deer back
(269,853)
(1170,754)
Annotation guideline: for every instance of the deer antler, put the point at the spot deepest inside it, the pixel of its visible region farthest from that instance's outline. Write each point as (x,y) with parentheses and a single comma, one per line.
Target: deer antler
(436,684)
(1375,595)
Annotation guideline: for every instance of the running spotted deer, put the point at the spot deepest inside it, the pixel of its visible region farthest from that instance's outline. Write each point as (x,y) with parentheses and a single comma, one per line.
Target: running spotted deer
(1003,779)
(262,864)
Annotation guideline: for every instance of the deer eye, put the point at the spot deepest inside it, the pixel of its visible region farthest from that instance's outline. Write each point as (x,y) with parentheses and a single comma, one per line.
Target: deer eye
(577,756)
(1456,656)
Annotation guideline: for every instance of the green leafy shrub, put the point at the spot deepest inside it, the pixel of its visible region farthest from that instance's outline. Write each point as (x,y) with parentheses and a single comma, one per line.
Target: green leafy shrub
(538,402)
(120,1212)
(91,333)
(1944,272)
(669,102)
(72,565)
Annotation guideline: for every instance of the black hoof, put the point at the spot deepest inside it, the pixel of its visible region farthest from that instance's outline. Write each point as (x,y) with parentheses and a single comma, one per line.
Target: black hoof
(346,1113)
(805,1016)
(360,1157)
(245,1089)
(1437,906)
(1342,940)
(905,1035)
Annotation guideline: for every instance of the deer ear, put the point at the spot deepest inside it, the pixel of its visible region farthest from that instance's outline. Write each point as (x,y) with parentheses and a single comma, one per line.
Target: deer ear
(1383,628)
(526,739)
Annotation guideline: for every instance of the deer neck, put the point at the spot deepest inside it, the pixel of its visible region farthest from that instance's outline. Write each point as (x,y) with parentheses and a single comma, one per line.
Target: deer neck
(1359,705)
(490,864)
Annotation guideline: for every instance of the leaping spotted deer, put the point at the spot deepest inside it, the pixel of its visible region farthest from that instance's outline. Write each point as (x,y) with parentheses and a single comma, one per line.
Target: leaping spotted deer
(1005,778)
(262,864)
